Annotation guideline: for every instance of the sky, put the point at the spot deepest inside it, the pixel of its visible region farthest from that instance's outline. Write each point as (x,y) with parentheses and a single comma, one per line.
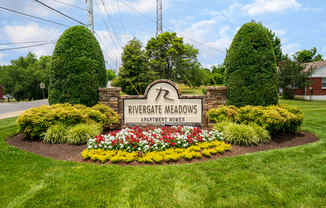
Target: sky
(208,25)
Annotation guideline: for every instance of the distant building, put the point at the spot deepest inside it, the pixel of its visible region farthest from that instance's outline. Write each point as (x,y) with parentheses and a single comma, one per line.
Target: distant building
(317,90)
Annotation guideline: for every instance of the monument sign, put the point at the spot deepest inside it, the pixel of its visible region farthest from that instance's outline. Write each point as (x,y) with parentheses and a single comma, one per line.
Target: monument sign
(162,105)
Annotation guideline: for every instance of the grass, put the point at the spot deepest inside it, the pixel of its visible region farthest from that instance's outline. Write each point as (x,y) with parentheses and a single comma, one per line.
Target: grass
(186,90)
(293,177)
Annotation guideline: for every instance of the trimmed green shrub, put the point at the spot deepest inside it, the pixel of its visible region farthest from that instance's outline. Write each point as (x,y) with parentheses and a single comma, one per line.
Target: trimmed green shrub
(34,122)
(56,134)
(251,70)
(78,68)
(242,134)
(275,119)
(112,117)
(81,133)
(223,113)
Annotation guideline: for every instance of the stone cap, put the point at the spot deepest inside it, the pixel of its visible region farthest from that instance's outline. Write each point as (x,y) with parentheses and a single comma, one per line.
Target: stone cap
(217,88)
(110,89)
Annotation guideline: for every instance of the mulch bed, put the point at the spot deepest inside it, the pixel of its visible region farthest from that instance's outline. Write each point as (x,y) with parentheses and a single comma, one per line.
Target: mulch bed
(73,152)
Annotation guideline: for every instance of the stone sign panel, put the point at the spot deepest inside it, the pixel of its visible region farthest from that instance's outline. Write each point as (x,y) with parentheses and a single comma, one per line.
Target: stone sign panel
(162,105)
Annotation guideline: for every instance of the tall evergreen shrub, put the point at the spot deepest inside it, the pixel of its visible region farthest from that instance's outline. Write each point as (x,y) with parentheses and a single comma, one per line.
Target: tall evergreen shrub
(78,68)
(251,70)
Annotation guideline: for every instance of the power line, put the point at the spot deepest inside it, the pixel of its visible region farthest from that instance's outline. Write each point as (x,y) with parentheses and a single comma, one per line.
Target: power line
(155,21)
(22,42)
(122,24)
(109,36)
(31,16)
(159,17)
(70,5)
(113,31)
(23,47)
(59,12)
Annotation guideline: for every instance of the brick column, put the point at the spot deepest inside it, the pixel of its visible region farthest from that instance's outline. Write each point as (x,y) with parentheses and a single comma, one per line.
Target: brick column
(215,97)
(111,97)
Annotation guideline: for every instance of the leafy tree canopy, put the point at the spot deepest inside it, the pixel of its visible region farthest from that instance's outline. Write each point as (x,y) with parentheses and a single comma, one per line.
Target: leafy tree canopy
(134,74)
(306,56)
(169,56)
(110,74)
(21,79)
(292,75)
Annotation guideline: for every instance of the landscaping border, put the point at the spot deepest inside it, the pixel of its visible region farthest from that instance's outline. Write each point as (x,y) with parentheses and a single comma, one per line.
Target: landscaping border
(73,152)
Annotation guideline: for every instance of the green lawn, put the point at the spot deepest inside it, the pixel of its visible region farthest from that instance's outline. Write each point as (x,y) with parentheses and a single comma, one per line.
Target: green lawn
(294,177)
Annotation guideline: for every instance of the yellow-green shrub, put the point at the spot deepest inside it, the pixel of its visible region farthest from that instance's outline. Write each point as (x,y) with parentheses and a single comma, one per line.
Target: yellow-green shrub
(112,116)
(243,134)
(56,134)
(223,113)
(33,123)
(276,119)
(81,133)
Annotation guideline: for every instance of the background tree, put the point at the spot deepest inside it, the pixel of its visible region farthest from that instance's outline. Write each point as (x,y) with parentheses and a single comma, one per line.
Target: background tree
(23,76)
(276,43)
(169,57)
(195,76)
(110,74)
(251,70)
(134,74)
(217,74)
(277,46)
(306,56)
(78,68)
(292,75)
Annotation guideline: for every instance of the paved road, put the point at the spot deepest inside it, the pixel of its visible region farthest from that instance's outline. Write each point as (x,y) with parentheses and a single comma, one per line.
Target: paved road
(6,108)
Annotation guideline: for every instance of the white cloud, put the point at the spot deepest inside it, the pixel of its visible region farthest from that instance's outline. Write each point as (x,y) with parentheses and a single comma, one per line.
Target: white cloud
(2,61)
(200,33)
(112,46)
(223,41)
(32,7)
(290,48)
(32,32)
(141,6)
(269,6)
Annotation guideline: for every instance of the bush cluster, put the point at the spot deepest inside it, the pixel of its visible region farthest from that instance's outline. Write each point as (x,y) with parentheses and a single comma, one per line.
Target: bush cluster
(242,134)
(275,119)
(51,122)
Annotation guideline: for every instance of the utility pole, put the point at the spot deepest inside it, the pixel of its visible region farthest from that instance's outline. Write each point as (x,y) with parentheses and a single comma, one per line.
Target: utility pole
(159,17)
(90,15)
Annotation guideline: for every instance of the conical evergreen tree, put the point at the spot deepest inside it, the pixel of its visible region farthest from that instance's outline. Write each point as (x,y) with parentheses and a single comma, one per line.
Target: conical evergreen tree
(78,68)
(251,70)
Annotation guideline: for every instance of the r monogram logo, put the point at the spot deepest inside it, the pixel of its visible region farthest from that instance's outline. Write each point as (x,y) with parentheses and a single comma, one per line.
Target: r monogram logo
(165,96)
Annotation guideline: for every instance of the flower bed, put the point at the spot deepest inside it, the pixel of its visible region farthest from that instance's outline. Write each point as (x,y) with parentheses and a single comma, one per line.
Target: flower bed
(155,145)
(153,139)
(199,150)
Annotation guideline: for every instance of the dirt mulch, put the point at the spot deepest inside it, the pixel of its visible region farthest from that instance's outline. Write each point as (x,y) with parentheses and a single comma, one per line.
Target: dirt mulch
(73,152)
